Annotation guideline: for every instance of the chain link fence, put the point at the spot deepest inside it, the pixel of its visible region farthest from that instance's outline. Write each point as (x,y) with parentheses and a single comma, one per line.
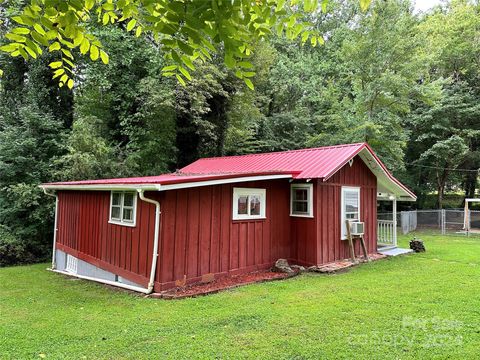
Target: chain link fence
(446,221)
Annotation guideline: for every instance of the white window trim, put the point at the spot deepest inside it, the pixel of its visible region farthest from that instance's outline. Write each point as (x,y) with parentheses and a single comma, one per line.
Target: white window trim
(237,192)
(121,221)
(342,217)
(309,187)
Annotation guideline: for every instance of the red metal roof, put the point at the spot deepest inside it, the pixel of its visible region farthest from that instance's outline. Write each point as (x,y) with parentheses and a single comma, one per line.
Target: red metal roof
(307,163)
(321,163)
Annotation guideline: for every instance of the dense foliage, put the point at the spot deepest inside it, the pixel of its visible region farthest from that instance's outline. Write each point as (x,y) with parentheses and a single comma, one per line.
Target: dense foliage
(406,83)
(185,30)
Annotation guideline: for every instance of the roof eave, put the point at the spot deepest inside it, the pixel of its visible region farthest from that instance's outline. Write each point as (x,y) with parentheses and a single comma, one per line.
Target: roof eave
(101,187)
(399,190)
(166,186)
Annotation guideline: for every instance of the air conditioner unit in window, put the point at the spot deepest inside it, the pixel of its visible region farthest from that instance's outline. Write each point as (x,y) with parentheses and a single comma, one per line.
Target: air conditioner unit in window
(357,228)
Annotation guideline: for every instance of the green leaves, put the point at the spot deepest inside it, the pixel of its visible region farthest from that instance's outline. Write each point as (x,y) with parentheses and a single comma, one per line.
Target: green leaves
(131,24)
(55,46)
(55,64)
(104,57)
(169,68)
(84,46)
(364,4)
(249,83)
(185,73)
(186,33)
(21,31)
(9,48)
(181,80)
(94,52)
(15,37)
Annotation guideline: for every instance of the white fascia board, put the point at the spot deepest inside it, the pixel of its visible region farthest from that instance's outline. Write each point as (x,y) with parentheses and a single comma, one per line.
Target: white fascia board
(394,189)
(158,187)
(383,178)
(223,181)
(103,187)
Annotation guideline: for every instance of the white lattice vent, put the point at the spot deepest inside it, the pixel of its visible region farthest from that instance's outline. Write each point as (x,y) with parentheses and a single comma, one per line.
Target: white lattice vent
(72,264)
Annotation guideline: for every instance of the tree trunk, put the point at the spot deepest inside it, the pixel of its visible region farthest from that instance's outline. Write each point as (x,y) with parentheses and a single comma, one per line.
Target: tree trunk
(470,184)
(441,179)
(440,190)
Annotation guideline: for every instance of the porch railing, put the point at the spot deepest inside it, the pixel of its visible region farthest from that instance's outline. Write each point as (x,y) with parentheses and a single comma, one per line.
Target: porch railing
(386,233)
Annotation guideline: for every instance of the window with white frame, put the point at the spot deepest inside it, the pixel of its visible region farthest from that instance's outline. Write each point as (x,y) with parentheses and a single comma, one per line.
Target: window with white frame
(350,207)
(123,207)
(301,200)
(248,203)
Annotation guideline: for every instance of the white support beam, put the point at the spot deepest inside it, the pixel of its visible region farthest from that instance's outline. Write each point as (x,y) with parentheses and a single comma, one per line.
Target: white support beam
(394,204)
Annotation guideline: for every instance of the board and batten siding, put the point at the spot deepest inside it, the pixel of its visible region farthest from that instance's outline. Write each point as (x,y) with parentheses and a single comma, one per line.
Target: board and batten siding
(317,240)
(329,195)
(84,232)
(199,239)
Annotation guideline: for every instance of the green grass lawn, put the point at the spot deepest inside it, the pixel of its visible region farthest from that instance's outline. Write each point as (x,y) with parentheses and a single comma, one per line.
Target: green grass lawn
(416,306)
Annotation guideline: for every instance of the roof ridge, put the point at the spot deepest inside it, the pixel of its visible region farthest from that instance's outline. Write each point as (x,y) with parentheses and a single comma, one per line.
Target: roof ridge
(279,152)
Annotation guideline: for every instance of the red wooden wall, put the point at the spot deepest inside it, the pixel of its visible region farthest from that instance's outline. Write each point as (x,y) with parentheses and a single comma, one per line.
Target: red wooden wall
(330,246)
(198,236)
(303,235)
(317,240)
(84,231)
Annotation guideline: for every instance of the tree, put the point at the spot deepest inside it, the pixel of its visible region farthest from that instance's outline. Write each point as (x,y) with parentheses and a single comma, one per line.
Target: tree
(186,30)
(359,86)
(444,155)
(28,142)
(451,33)
(35,115)
(442,136)
(128,108)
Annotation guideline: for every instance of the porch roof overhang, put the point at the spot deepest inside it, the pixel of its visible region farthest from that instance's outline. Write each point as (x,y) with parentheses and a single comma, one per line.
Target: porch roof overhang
(388,187)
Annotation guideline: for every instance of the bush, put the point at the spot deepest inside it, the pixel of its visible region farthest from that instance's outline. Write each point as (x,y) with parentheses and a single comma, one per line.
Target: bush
(12,250)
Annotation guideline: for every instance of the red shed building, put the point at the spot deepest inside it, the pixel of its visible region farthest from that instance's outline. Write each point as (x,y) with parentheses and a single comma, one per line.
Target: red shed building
(221,216)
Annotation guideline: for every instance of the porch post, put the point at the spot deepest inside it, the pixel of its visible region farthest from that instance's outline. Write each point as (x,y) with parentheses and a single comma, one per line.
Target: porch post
(394,204)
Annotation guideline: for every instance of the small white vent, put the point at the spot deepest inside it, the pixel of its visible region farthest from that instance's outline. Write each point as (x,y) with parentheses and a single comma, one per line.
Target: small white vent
(72,264)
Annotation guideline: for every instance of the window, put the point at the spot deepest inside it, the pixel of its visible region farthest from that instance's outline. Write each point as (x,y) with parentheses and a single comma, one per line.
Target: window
(350,207)
(248,203)
(301,200)
(123,208)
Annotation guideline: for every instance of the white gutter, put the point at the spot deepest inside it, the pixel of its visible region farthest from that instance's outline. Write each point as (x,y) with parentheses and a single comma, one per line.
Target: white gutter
(55,229)
(102,187)
(165,187)
(155,238)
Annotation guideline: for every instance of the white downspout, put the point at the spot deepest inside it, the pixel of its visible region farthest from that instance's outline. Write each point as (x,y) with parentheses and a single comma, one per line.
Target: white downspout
(55,228)
(155,238)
